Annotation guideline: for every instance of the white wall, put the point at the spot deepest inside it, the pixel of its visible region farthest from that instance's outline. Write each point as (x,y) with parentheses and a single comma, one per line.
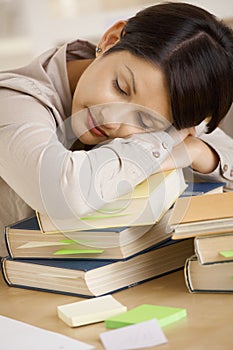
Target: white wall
(33,28)
(220,8)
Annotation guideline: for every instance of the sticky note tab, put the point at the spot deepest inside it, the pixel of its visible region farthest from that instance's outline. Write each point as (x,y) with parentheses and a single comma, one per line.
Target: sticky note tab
(78,251)
(90,311)
(227,253)
(142,335)
(165,315)
(38,244)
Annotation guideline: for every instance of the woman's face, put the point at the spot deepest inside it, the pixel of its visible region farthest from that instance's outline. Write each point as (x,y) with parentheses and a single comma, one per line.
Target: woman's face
(119,95)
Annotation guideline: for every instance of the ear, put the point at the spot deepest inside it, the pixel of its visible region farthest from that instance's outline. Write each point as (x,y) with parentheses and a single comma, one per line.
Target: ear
(111,36)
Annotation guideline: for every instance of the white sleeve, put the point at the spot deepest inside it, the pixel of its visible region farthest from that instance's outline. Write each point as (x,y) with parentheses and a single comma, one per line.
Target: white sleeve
(223,146)
(49,177)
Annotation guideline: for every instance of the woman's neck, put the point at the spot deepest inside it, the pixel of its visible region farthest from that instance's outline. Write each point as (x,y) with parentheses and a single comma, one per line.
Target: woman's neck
(75,69)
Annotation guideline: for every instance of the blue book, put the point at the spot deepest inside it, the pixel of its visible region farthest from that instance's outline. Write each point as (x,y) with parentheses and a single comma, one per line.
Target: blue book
(198,188)
(95,277)
(24,239)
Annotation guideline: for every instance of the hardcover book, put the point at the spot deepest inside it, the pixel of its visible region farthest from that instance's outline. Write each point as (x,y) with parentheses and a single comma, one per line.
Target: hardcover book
(90,278)
(200,215)
(215,278)
(25,240)
(214,248)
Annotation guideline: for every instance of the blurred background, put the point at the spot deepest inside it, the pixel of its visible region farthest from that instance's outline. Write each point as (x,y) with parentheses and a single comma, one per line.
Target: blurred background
(29,27)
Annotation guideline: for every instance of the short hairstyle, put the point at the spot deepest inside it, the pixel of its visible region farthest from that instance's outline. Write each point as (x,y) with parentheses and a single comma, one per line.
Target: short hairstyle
(195,52)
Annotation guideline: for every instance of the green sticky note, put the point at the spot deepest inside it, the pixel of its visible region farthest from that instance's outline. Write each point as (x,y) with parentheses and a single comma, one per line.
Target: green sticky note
(164,315)
(227,253)
(78,251)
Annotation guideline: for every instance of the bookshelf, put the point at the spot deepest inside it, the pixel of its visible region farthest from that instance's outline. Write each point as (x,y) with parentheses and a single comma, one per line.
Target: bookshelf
(207,326)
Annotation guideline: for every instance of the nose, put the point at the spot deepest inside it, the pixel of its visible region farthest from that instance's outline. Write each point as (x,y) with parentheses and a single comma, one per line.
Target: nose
(117,120)
(114,130)
(111,119)
(111,126)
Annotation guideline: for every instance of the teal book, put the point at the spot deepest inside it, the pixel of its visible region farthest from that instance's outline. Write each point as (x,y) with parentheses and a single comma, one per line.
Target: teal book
(163,314)
(96,277)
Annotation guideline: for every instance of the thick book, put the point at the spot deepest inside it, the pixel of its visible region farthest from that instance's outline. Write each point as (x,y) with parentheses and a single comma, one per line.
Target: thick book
(215,278)
(203,214)
(145,205)
(90,278)
(214,248)
(25,240)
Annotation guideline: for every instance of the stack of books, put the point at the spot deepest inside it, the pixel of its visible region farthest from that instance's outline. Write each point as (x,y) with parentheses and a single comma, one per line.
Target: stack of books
(209,220)
(123,244)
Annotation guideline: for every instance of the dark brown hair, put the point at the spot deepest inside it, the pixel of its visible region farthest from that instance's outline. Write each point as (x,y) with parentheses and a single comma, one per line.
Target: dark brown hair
(195,52)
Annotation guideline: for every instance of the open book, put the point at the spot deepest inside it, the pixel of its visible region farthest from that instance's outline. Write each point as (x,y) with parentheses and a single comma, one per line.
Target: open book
(145,205)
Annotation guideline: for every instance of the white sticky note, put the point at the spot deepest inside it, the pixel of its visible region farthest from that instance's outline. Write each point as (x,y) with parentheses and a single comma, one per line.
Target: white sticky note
(137,336)
(90,310)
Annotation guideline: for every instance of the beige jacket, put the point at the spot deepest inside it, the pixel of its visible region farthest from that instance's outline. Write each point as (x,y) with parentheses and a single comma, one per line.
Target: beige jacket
(37,168)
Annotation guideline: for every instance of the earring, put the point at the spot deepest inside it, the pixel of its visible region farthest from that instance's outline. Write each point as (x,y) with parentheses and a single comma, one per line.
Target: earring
(98,49)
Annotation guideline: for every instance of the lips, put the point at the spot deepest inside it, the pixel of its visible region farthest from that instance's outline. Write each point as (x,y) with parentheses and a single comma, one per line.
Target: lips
(93,128)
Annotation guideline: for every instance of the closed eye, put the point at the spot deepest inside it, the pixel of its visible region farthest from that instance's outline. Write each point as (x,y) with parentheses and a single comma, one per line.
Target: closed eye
(151,122)
(116,86)
(144,121)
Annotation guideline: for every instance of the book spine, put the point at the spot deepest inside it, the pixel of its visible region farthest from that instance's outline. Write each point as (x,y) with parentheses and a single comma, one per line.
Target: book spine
(7,242)
(4,274)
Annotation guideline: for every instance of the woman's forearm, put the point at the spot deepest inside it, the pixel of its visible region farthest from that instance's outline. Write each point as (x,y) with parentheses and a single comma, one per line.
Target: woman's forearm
(204,159)
(195,153)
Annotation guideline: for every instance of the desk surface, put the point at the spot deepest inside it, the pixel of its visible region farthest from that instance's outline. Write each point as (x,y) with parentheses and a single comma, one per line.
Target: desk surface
(209,324)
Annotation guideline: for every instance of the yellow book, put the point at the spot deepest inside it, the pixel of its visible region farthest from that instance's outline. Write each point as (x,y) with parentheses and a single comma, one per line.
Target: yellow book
(202,215)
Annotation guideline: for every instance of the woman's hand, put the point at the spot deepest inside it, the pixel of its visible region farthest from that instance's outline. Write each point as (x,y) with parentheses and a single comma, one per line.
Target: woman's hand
(193,152)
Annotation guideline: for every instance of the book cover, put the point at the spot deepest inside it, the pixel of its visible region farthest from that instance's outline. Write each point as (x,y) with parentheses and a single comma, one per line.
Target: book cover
(198,215)
(214,248)
(215,278)
(90,278)
(145,205)
(25,240)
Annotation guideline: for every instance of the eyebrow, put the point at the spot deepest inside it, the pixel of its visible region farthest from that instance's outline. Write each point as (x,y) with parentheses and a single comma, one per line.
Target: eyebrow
(133,79)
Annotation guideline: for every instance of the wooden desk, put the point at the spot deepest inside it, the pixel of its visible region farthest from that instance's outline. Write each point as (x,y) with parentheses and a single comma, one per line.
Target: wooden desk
(209,324)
